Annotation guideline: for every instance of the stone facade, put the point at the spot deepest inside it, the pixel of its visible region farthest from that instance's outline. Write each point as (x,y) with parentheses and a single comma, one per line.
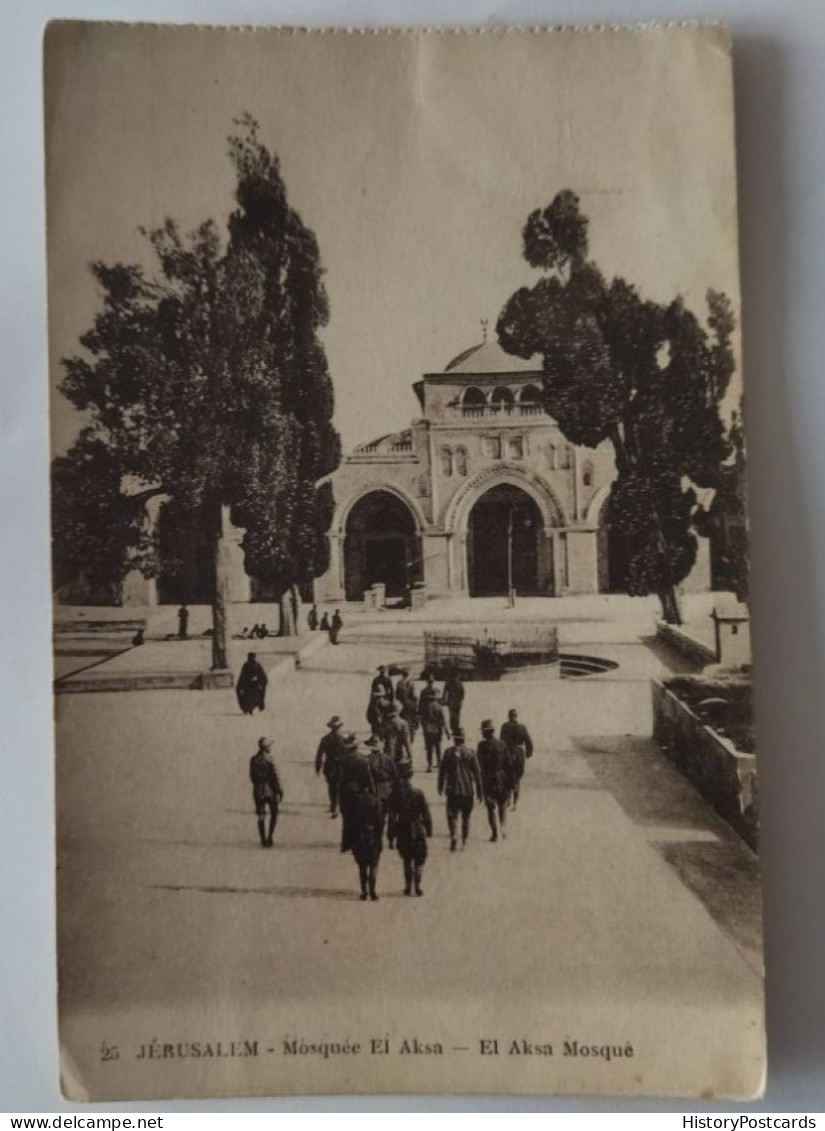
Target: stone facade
(482,491)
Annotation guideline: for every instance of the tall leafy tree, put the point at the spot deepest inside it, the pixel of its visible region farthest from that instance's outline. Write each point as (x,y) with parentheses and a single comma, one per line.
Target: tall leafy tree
(649,377)
(97,531)
(205,379)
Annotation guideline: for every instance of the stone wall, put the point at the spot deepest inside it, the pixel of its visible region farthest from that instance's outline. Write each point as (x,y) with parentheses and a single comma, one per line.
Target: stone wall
(725,777)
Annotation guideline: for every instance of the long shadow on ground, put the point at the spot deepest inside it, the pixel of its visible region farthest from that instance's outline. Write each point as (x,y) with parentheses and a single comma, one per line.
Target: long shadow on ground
(708,857)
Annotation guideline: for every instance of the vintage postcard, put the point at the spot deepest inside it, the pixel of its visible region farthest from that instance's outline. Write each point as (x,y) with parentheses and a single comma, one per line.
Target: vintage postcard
(404,730)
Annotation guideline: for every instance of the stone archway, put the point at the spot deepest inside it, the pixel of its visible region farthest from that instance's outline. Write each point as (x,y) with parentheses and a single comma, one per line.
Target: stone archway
(544,521)
(381,545)
(506,545)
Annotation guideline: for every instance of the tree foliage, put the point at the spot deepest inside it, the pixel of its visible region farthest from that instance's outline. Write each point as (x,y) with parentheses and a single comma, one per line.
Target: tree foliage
(649,377)
(206,378)
(96,529)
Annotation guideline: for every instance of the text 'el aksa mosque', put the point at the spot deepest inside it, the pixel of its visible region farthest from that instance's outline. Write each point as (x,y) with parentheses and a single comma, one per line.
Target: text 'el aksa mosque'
(482,490)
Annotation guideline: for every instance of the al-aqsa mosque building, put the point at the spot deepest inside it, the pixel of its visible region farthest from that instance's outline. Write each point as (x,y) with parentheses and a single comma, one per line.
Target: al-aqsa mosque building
(480,494)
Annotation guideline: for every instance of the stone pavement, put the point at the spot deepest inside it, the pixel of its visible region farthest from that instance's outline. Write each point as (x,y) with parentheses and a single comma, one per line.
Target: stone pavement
(616,883)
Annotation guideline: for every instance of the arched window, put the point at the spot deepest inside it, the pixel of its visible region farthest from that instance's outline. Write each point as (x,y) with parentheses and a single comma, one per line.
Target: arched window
(515,447)
(566,457)
(587,474)
(461,461)
(446,462)
(473,402)
(530,394)
(502,398)
(552,457)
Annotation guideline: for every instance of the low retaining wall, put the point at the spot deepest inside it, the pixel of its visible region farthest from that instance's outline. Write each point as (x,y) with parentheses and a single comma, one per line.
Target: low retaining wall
(685,644)
(723,775)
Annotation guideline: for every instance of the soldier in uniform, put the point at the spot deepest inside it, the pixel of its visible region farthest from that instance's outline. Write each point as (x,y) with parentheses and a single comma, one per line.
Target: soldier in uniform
(493,761)
(366,841)
(453,698)
(377,709)
(267,791)
(516,737)
(433,723)
(382,683)
(355,778)
(459,778)
(331,750)
(335,626)
(407,703)
(396,736)
(409,826)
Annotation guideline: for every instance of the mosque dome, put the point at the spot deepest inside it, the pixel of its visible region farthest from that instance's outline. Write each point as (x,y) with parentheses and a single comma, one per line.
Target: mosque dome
(489,357)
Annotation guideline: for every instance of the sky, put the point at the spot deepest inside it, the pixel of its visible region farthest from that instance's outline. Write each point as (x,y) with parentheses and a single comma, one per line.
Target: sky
(415,158)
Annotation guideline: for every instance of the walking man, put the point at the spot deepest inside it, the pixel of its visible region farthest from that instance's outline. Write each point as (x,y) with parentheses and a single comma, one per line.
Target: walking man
(267,792)
(377,710)
(453,698)
(407,702)
(335,626)
(183,623)
(495,778)
(251,686)
(366,839)
(396,736)
(312,619)
(382,683)
(516,737)
(355,778)
(384,774)
(459,778)
(331,751)
(409,826)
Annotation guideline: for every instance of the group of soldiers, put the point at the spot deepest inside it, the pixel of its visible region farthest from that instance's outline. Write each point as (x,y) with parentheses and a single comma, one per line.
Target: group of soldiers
(370,783)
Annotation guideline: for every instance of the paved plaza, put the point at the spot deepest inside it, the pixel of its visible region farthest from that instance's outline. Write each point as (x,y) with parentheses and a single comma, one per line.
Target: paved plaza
(615,880)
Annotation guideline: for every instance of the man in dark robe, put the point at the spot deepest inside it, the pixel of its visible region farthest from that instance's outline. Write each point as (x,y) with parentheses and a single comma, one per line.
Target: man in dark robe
(183,622)
(251,686)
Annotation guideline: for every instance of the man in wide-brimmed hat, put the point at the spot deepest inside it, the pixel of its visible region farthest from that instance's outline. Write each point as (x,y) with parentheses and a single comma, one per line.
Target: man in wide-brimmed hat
(331,750)
(408,827)
(493,761)
(459,779)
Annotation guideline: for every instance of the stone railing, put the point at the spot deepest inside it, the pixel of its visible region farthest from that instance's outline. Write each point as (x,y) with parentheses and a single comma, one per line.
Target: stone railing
(498,410)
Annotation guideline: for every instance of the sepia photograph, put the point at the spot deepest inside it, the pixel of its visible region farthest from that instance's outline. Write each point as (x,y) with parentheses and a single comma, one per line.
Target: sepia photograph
(402,655)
